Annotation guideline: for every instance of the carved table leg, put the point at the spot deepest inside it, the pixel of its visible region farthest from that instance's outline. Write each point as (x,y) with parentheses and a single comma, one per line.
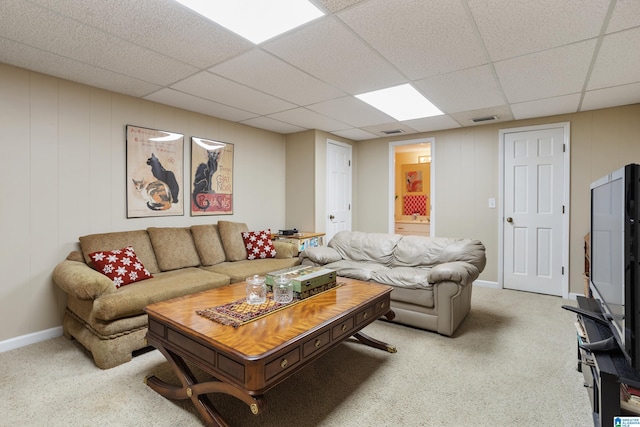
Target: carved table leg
(197,392)
(372,342)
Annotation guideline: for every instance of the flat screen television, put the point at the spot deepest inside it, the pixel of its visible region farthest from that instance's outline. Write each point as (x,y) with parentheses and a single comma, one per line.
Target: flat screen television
(615,256)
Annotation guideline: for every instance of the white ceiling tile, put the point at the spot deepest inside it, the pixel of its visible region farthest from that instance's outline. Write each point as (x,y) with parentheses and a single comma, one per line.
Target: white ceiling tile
(355,134)
(546,74)
(336,56)
(81,42)
(429,124)
(260,69)
(626,14)
(611,97)
(144,48)
(469,89)
(514,28)
(192,38)
(503,114)
(273,125)
(336,5)
(618,60)
(309,119)
(352,111)
(20,55)
(421,39)
(546,107)
(224,91)
(199,105)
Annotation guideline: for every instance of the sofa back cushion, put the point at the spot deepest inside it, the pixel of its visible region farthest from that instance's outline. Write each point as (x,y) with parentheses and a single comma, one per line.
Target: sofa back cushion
(359,246)
(231,236)
(208,244)
(419,251)
(138,239)
(174,247)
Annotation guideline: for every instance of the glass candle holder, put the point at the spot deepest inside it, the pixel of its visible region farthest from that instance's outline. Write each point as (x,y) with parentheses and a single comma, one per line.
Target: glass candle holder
(256,290)
(282,290)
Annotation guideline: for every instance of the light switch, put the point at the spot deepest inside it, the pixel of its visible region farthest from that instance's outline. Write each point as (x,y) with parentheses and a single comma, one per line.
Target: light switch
(492,203)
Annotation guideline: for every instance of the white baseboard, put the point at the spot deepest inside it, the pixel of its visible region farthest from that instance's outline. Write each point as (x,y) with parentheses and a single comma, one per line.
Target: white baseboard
(21,341)
(486,284)
(574,295)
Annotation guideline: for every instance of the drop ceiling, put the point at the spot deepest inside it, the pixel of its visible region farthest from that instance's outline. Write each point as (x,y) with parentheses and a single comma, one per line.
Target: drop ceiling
(471,58)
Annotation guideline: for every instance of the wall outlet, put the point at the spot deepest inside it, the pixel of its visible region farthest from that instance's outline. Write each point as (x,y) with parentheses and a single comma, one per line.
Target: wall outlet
(492,203)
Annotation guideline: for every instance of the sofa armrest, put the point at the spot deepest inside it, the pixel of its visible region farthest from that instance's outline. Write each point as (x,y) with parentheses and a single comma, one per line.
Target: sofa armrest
(459,271)
(78,279)
(320,255)
(285,249)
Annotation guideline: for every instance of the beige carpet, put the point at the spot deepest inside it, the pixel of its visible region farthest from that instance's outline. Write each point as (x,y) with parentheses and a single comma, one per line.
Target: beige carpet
(511,363)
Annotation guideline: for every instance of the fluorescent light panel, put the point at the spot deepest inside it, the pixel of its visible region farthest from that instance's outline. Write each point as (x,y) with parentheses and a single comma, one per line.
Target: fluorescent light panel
(256,20)
(401,102)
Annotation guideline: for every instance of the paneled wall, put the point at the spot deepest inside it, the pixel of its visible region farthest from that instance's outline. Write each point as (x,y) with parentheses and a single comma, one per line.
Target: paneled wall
(63,175)
(466,163)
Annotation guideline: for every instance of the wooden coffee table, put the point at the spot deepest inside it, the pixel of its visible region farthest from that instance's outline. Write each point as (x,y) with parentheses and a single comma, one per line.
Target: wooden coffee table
(251,359)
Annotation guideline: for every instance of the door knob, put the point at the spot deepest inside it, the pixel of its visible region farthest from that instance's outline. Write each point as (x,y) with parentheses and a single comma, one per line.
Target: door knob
(509,219)
(331,217)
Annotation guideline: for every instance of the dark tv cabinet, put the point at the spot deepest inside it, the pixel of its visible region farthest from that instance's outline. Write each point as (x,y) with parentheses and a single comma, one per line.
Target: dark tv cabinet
(603,371)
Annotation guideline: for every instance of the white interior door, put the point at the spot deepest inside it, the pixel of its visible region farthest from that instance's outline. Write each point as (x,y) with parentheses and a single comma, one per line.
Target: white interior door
(534,235)
(338,188)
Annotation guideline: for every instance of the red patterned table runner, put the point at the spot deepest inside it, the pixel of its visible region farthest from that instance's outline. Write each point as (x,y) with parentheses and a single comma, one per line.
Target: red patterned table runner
(238,313)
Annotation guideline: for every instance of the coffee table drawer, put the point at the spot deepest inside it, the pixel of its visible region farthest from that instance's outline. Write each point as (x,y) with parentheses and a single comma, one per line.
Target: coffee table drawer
(316,343)
(365,315)
(196,349)
(281,364)
(382,306)
(342,328)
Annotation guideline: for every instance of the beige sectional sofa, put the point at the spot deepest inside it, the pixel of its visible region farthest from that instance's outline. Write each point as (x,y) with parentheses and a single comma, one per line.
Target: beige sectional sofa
(110,322)
(432,277)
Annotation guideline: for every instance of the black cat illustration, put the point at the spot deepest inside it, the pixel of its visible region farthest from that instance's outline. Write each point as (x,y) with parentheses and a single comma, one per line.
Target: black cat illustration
(203,177)
(168,177)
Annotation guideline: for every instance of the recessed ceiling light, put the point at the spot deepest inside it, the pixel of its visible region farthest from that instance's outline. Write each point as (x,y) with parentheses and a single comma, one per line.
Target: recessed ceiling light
(401,102)
(256,20)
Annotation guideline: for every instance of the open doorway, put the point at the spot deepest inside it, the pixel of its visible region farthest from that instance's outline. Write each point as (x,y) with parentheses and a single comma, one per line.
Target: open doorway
(411,206)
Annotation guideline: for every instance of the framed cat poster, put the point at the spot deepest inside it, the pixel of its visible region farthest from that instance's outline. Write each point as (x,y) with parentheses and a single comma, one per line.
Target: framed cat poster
(155,160)
(211,177)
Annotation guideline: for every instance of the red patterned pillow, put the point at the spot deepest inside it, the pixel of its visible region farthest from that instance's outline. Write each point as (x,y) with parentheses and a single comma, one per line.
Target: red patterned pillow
(122,266)
(259,244)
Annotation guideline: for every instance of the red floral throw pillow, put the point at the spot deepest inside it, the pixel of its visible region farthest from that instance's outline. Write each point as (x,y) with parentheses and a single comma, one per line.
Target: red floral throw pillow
(122,266)
(259,244)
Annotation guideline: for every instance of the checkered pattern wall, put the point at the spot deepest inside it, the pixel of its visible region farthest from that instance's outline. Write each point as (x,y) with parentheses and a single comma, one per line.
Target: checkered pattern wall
(415,204)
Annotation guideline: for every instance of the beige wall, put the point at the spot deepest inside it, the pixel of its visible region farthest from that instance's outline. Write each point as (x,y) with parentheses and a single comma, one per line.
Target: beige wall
(306,179)
(467,170)
(300,181)
(63,176)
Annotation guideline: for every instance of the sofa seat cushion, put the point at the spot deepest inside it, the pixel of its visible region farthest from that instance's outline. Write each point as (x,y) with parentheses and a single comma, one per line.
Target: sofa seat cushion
(416,297)
(238,271)
(174,247)
(131,300)
(403,277)
(359,270)
(360,246)
(138,239)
